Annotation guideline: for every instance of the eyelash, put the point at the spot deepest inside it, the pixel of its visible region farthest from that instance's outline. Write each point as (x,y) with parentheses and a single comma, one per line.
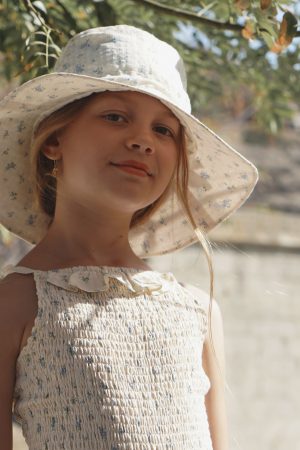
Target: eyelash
(159,126)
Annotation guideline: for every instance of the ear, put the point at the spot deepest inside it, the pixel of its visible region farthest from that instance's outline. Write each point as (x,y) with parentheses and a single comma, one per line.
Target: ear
(51,147)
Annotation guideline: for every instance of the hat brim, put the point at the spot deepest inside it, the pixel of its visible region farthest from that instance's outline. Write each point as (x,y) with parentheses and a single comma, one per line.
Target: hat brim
(221,179)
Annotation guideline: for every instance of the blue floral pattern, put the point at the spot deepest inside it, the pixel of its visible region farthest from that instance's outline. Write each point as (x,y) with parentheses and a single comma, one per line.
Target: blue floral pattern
(114,361)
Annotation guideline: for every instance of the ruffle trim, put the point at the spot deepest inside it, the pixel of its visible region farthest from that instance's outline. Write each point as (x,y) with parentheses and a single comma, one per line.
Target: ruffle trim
(99,279)
(143,282)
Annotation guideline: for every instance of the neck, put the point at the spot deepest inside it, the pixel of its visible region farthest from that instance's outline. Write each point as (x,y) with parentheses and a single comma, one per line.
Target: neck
(80,238)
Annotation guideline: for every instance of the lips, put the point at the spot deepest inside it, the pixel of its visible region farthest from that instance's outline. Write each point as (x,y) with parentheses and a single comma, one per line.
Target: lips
(134,164)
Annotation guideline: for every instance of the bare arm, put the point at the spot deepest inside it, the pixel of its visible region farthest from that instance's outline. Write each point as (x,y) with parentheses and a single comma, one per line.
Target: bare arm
(10,335)
(215,398)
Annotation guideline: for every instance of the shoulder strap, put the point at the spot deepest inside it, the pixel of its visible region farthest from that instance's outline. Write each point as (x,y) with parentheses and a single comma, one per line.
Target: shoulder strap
(10,268)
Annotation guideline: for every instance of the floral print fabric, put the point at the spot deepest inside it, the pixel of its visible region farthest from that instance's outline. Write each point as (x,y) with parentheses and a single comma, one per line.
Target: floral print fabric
(114,361)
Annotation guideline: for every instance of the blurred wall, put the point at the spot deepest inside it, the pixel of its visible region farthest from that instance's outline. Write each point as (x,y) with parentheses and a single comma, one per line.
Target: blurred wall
(258,293)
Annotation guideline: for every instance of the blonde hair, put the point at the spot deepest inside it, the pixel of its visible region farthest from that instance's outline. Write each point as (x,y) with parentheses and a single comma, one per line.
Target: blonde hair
(45,183)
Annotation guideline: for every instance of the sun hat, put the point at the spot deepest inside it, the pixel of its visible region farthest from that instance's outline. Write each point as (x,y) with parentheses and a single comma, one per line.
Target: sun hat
(121,58)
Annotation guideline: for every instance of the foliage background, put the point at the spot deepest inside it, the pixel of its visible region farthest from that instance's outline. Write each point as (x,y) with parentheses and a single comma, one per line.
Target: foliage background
(241,57)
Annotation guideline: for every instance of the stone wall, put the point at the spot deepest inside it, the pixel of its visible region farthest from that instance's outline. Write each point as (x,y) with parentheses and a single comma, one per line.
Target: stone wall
(258,293)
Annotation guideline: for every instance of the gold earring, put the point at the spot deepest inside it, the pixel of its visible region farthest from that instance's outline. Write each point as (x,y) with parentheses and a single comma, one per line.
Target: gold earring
(55,169)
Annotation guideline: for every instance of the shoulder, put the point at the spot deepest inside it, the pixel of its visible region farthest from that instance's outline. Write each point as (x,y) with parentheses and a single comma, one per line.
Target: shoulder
(211,308)
(12,283)
(17,300)
(201,295)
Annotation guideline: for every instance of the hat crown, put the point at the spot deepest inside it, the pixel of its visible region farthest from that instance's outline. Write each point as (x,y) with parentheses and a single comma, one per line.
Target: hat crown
(125,54)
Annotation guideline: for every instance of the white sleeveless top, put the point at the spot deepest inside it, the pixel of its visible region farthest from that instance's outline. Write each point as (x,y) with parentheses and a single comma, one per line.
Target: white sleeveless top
(114,362)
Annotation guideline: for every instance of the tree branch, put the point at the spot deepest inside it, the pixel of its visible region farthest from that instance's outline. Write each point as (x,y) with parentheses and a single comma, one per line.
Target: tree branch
(32,10)
(192,16)
(188,15)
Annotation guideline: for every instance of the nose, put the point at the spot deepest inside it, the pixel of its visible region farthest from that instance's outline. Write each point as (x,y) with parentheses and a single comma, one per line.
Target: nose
(140,142)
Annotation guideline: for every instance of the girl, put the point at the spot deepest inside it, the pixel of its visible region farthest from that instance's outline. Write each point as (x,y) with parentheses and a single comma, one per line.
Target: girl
(103,165)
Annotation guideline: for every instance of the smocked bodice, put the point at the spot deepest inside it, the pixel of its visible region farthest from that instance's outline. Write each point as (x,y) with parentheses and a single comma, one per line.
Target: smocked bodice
(114,361)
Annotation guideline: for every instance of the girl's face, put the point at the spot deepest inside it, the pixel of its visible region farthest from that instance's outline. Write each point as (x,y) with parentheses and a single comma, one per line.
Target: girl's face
(111,128)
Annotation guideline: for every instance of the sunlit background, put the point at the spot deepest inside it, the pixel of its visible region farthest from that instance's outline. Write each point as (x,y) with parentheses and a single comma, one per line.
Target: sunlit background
(250,96)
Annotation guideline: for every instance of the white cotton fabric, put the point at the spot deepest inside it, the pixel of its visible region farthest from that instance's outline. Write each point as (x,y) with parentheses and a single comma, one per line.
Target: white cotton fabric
(114,361)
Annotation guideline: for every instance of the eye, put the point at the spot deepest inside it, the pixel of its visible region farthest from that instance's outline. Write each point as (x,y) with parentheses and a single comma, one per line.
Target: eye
(113,117)
(165,131)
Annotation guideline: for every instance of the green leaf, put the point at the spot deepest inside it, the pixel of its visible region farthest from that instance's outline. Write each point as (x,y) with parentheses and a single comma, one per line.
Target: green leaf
(292,22)
(267,38)
(265,25)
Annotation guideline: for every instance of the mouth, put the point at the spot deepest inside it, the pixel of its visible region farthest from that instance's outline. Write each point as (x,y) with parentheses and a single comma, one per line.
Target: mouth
(138,170)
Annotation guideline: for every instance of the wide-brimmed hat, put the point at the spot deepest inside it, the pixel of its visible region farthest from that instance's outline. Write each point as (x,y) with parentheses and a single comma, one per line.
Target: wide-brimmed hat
(121,58)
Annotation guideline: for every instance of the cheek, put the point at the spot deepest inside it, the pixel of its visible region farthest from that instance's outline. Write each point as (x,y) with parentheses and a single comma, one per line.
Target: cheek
(167,169)
(78,145)
(169,161)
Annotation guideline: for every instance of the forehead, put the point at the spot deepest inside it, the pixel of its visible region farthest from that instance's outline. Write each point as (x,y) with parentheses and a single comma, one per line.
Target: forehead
(134,99)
